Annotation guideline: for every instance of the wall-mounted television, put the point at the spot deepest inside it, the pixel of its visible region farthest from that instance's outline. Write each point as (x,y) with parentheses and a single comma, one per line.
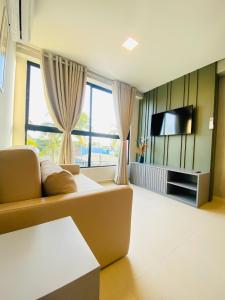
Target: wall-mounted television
(173,122)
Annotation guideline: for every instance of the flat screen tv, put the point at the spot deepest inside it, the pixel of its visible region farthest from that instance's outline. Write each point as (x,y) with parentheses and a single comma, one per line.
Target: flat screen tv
(173,122)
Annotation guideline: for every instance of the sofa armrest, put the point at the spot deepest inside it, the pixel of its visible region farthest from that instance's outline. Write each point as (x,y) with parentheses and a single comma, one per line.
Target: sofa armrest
(102,216)
(73,169)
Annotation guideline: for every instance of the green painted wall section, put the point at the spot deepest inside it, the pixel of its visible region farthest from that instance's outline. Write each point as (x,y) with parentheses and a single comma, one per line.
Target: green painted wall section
(185,151)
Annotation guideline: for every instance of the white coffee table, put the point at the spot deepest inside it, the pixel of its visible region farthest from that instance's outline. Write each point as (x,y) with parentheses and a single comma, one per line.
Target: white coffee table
(48,261)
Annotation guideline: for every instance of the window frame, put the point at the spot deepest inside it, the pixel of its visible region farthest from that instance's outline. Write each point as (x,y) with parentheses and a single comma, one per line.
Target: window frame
(51,129)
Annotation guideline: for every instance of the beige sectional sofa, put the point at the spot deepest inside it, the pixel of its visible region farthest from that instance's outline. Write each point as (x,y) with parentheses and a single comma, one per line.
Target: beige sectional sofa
(102,215)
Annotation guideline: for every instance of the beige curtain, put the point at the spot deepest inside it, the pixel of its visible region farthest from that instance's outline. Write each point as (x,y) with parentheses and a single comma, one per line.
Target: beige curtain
(124,96)
(64,82)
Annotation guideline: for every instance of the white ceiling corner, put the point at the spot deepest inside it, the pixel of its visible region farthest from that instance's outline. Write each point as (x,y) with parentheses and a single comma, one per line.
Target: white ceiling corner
(175,37)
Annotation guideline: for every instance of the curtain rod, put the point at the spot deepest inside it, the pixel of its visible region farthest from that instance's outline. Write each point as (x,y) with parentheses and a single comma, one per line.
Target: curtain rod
(36,53)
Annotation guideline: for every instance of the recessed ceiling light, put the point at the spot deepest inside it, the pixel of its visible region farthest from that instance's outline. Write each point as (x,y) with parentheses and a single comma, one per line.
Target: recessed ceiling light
(130,44)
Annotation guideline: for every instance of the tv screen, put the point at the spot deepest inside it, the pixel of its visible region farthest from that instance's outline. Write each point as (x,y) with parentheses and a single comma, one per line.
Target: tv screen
(172,122)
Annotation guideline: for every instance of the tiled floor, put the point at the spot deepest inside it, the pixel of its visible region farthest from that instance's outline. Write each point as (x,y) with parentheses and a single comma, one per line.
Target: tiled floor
(177,252)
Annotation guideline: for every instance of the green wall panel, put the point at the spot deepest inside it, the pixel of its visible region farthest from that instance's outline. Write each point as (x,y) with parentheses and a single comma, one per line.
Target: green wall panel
(184,137)
(187,151)
(190,139)
(205,110)
(175,142)
(160,141)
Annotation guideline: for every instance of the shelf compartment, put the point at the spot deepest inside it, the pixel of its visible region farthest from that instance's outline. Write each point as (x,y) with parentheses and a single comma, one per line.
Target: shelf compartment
(188,199)
(186,185)
(182,194)
(183,179)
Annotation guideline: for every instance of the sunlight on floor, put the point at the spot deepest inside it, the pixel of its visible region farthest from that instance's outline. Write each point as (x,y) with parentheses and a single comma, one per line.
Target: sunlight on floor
(177,252)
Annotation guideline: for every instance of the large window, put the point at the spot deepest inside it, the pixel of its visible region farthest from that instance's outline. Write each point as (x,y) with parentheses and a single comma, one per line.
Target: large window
(95,138)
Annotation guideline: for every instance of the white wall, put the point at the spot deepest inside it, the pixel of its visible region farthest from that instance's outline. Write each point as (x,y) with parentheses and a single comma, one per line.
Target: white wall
(20,99)
(221,67)
(6,98)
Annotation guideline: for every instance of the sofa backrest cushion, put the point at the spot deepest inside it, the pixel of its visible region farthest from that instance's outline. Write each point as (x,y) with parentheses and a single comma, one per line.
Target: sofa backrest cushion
(20,177)
(56,180)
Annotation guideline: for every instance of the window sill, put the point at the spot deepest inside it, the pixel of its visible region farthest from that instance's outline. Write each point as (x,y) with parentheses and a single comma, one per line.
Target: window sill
(91,167)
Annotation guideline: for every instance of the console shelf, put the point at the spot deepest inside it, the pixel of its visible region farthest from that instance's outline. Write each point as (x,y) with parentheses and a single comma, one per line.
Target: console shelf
(189,187)
(188,199)
(186,185)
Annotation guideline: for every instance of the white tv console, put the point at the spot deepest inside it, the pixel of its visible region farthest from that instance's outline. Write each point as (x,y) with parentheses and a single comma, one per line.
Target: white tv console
(190,187)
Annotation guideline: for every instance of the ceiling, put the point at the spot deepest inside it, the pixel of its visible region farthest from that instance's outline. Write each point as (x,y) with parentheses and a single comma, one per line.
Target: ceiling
(175,37)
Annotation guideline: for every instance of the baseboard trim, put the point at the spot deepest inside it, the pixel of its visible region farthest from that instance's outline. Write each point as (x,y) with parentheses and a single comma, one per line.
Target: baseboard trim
(219,198)
(105,181)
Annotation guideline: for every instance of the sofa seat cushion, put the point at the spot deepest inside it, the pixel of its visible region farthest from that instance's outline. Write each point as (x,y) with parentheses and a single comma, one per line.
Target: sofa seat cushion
(56,180)
(85,184)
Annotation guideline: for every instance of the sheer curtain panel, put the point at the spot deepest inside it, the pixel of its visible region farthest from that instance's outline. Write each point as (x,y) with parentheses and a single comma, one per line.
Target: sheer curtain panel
(124,96)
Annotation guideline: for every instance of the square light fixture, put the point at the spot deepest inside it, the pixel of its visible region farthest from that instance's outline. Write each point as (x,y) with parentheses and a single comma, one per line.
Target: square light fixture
(130,44)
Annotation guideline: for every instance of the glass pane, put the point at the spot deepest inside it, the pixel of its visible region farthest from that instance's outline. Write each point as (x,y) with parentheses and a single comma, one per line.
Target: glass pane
(84,121)
(104,151)
(47,143)
(38,111)
(80,148)
(103,114)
